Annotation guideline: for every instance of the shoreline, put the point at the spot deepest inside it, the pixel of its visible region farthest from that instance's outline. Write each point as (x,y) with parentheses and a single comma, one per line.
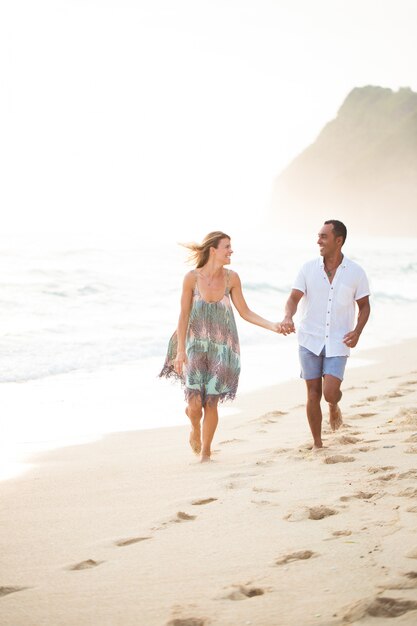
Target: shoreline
(19,456)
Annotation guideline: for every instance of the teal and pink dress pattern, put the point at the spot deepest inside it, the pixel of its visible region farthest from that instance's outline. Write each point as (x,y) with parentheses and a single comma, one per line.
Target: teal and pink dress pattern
(212,347)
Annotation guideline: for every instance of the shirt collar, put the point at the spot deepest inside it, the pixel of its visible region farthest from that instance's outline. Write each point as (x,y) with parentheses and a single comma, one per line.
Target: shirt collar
(344,263)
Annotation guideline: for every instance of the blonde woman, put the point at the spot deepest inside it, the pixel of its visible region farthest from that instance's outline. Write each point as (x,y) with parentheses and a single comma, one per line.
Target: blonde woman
(204,350)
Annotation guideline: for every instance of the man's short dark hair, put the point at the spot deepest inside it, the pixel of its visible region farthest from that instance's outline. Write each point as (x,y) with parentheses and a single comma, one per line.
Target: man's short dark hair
(339,229)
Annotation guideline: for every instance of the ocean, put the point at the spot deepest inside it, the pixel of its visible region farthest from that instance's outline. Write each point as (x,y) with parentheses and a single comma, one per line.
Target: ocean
(84,329)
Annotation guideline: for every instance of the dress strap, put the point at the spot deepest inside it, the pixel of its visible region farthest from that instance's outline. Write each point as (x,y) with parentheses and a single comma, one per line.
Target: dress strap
(196,292)
(227,292)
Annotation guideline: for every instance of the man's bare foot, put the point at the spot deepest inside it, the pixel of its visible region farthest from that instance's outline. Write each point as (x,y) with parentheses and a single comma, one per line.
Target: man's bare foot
(317,445)
(335,416)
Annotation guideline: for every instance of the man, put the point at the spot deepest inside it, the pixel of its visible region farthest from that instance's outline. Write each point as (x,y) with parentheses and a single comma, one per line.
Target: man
(329,286)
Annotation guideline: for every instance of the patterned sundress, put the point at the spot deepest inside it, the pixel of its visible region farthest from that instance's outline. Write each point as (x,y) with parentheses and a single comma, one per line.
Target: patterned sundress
(212,347)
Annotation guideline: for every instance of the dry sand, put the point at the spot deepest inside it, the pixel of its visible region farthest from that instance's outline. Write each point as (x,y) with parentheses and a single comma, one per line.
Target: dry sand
(132,530)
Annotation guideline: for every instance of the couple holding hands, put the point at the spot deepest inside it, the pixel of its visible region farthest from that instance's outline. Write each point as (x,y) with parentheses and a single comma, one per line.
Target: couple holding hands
(204,350)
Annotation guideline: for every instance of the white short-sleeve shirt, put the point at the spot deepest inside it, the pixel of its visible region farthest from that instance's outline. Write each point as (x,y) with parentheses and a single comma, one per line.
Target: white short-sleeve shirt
(328,309)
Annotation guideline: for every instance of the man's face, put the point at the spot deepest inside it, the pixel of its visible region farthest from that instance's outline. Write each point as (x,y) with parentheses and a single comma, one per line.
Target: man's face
(327,242)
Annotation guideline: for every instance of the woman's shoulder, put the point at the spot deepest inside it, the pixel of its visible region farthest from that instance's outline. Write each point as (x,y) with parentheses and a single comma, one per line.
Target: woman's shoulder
(233,277)
(190,278)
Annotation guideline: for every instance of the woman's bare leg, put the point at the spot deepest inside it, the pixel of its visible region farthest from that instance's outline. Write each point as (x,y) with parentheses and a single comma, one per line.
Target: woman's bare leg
(194,412)
(211,419)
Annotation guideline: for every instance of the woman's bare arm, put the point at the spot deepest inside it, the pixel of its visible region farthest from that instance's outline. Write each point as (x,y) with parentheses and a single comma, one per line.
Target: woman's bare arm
(244,311)
(186,303)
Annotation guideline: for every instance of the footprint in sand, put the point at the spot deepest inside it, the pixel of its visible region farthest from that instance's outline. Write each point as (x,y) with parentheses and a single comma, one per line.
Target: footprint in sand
(264,463)
(412,509)
(269,418)
(130,541)
(338,458)
(280,450)
(320,512)
(183,517)
(301,555)
(348,439)
(263,503)
(203,501)
(222,443)
(244,592)
(4,591)
(379,607)
(412,473)
(180,517)
(337,534)
(408,581)
(264,490)
(234,485)
(187,621)
(386,477)
(313,513)
(88,564)
(360,416)
(410,492)
(408,418)
(361,495)
(383,468)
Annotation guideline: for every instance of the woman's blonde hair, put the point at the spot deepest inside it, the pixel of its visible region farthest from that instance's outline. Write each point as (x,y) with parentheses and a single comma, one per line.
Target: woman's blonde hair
(200,252)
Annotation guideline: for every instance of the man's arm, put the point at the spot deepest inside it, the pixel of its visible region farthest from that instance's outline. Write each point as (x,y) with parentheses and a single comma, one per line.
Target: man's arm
(352,338)
(287,324)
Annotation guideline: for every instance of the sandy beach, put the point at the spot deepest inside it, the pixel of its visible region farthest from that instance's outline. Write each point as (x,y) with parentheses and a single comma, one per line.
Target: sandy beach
(133,530)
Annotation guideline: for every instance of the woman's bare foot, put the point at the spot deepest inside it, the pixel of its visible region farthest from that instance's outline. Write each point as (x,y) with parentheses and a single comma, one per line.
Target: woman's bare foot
(195,441)
(205,458)
(195,436)
(335,416)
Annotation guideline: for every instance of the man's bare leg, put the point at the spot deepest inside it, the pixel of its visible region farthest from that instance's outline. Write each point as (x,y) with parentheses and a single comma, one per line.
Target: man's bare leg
(194,412)
(314,415)
(211,419)
(333,395)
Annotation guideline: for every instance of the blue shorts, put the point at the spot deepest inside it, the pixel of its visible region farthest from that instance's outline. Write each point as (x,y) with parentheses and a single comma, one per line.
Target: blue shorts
(313,366)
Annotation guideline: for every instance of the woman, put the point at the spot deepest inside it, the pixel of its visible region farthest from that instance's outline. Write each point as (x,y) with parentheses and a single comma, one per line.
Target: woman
(204,350)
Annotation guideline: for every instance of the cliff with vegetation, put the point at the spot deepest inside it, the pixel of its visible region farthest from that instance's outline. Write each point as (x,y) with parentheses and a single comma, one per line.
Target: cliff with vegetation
(362,168)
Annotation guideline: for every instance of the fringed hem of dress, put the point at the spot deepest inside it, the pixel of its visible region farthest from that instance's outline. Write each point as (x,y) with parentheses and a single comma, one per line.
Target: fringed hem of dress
(210,399)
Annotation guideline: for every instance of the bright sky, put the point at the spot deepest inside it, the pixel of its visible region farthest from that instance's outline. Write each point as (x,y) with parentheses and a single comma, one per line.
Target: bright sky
(182,110)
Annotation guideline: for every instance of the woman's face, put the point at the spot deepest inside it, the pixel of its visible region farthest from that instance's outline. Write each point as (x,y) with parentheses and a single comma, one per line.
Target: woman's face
(224,251)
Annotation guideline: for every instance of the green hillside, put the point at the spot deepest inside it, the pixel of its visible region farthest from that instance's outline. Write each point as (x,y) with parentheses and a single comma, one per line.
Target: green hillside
(362,168)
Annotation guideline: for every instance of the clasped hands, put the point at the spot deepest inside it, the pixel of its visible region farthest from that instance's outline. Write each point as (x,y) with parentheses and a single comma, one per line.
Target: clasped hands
(286,327)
